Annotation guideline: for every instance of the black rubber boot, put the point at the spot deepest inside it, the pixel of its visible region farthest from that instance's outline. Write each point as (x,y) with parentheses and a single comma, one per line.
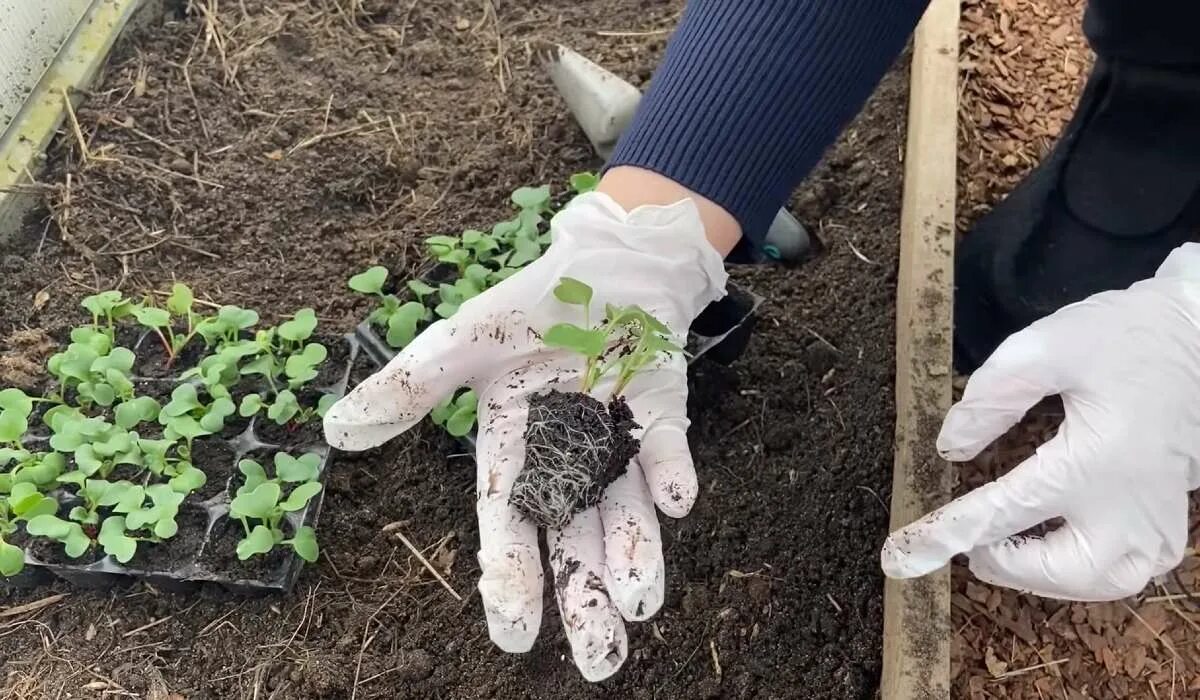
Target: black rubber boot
(1120,190)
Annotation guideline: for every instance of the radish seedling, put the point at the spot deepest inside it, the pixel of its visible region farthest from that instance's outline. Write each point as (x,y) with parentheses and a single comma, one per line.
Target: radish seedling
(70,534)
(107,308)
(186,416)
(160,321)
(98,446)
(121,496)
(23,503)
(18,464)
(575,446)
(456,413)
(225,328)
(402,320)
(259,501)
(183,476)
(285,408)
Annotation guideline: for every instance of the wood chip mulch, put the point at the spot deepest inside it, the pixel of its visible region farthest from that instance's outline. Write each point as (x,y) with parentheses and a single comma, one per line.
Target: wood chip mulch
(1023,65)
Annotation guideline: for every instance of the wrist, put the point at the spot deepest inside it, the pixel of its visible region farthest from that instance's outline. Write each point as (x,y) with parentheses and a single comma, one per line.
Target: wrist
(633,187)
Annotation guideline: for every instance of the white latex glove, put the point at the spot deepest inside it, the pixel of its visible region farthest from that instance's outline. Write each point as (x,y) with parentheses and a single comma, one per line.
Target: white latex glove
(607,563)
(1127,365)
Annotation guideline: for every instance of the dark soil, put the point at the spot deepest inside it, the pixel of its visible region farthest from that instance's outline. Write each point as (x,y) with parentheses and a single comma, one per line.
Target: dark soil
(552,451)
(216,459)
(220,555)
(52,552)
(333,369)
(177,552)
(775,572)
(152,361)
(289,436)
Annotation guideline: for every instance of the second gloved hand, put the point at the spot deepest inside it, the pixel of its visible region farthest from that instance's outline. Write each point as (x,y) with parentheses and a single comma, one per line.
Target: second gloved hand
(607,561)
(1127,365)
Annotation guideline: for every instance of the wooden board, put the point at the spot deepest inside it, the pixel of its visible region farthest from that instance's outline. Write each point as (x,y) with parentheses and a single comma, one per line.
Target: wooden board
(74,66)
(916,633)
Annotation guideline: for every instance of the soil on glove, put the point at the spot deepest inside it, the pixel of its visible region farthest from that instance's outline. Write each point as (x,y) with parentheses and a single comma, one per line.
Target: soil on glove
(575,447)
(264,153)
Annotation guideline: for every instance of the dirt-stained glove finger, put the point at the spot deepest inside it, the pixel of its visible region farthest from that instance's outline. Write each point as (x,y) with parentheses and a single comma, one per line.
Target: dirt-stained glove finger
(511,580)
(634,568)
(593,625)
(1028,495)
(396,397)
(667,462)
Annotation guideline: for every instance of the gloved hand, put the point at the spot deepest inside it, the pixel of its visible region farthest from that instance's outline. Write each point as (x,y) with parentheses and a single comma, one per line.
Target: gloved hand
(1127,364)
(607,563)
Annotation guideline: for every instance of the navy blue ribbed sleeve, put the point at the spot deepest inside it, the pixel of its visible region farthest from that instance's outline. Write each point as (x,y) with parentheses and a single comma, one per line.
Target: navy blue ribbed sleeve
(752,92)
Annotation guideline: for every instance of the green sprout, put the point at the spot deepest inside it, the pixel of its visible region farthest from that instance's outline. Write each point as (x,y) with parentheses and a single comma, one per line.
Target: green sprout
(221,371)
(402,320)
(120,534)
(183,476)
(294,332)
(186,416)
(225,328)
(285,408)
(259,500)
(159,321)
(107,308)
(19,465)
(121,496)
(457,413)
(584,182)
(70,534)
(639,336)
(25,502)
(450,251)
(98,446)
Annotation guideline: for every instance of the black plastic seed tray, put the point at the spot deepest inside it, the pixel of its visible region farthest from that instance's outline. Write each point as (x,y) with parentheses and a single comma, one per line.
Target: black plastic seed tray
(199,567)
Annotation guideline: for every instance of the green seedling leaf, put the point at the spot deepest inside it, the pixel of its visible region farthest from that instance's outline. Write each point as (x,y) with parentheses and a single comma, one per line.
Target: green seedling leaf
(402,325)
(90,337)
(102,304)
(441,245)
(295,469)
(456,257)
(587,342)
(584,182)
(184,427)
(505,230)
(251,404)
(301,367)
(183,400)
(254,473)
(121,496)
(98,393)
(443,410)
(370,281)
(325,403)
(152,317)
(12,559)
(181,300)
(115,542)
(300,327)
(12,426)
(259,503)
(260,541)
(42,471)
(119,359)
(284,408)
(305,544)
(266,365)
(525,251)
(69,533)
(460,422)
(532,197)
(142,409)
(26,501)
(477,274)
(421,289)
(446,309)
(572,291)
(16,401)
(214,419)
(300,496)
(188,479)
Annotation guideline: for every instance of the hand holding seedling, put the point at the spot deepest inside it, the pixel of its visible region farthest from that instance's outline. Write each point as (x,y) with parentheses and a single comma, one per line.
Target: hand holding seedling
(650,269)
(1120,468)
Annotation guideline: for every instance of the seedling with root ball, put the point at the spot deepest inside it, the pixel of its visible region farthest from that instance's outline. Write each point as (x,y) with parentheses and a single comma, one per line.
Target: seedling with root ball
(575,446)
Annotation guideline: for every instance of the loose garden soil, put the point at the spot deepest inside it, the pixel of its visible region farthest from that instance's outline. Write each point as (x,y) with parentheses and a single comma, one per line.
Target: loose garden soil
(1024,63)
(263,153)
